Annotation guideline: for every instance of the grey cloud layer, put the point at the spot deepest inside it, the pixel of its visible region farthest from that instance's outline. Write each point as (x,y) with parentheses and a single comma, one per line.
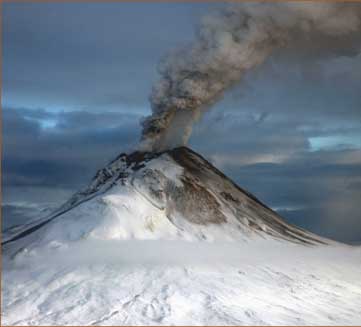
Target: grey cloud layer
(88,55)
(69,153)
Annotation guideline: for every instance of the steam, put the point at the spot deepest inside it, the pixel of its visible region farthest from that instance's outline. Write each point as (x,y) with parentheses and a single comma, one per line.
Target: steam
(229,43)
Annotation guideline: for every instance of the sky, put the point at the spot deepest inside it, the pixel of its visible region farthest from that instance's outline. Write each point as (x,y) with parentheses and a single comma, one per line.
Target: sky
(75,85)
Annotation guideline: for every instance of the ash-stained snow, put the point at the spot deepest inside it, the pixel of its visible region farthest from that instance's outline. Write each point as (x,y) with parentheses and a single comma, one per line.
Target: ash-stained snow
(168,239)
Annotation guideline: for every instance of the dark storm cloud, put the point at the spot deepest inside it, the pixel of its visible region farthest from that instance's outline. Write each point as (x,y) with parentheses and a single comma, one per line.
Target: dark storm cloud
(93,55)
(66,154)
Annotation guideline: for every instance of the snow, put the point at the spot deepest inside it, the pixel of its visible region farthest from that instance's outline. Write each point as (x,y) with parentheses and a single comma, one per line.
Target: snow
(168,167)
(151,202)
(123,213)
(183,283)
(117,253)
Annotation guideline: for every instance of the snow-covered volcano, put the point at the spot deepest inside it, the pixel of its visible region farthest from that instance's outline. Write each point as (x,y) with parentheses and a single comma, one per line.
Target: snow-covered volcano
(166,238)
(175,194)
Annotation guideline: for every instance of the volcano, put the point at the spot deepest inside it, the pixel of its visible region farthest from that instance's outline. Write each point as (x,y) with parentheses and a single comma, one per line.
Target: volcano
(166,238)
(175,194)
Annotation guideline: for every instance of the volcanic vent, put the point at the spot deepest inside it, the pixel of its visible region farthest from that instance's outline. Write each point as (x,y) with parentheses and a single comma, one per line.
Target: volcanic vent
(175,194)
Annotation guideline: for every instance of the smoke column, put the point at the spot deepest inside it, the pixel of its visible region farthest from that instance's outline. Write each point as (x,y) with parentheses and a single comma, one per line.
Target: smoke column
(230,42)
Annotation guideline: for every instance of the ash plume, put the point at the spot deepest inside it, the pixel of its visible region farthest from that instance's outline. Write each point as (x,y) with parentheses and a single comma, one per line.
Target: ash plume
(229,43)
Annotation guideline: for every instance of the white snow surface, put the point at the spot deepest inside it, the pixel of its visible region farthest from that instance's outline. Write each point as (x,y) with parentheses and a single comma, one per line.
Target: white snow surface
(183,283)
(113,257)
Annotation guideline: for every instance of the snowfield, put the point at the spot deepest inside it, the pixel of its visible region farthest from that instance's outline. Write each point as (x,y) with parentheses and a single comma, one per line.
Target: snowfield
(169,240)
(184,283)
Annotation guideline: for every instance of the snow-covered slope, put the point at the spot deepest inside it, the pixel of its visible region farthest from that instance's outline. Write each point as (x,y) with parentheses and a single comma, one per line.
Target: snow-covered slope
(168,239)
(171,195)
(183,283)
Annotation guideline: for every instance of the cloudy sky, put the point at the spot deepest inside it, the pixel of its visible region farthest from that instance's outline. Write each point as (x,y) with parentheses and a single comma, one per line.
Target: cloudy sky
(76,80)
